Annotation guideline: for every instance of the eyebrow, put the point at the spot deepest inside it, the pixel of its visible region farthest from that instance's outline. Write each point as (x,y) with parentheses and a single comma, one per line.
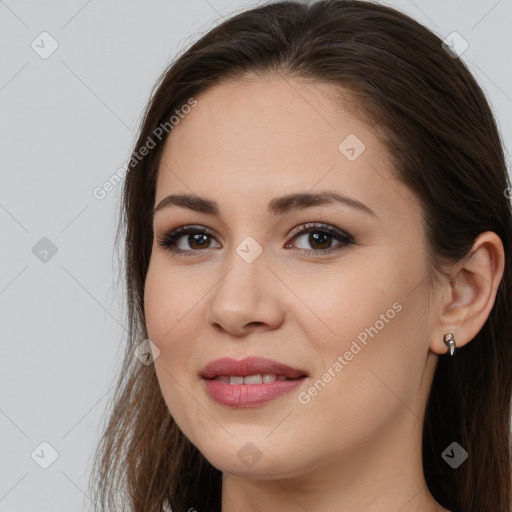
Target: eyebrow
(277,206)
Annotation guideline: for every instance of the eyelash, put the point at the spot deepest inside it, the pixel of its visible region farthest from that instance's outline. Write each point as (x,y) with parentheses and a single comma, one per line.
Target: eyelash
(169,240)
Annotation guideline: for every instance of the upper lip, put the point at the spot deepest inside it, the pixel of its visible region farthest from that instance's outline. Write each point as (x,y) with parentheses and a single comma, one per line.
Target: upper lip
(249,366)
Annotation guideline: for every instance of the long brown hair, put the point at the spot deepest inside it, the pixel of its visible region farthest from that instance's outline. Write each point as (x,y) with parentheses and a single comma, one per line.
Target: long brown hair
(439,128)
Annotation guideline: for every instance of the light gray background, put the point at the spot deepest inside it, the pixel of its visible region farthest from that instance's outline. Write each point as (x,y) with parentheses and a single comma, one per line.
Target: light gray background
(67,124)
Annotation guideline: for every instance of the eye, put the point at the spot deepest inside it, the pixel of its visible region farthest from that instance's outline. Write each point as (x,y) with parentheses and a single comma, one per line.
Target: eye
(188,240)
(196,237)
(320,237)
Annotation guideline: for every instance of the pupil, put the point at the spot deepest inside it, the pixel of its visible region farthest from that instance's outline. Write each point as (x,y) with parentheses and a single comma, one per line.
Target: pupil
(195,237)
(316,238)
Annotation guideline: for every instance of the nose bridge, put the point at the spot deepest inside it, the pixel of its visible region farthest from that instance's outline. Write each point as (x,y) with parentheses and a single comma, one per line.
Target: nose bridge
(242,295)
(249,250)
(245,266)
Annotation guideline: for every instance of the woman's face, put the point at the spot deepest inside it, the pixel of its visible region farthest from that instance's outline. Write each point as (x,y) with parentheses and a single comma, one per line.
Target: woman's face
(343,301)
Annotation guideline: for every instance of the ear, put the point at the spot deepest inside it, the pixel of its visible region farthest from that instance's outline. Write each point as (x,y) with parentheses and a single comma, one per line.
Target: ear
(470,292)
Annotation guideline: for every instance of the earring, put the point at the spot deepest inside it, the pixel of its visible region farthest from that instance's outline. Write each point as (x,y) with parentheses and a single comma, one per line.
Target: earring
(449,341)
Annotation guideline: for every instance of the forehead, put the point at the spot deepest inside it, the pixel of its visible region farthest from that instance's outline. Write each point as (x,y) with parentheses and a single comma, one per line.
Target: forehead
(252,139)
(265,125)
(253,116)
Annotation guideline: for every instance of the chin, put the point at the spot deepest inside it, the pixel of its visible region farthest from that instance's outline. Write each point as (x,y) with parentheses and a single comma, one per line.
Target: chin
(259,459)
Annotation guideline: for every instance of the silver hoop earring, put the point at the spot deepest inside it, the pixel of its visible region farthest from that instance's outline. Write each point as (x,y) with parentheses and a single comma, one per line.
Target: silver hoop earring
(449,341)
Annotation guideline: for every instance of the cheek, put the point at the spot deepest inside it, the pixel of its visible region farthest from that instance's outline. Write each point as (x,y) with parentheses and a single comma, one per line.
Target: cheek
(167,304)
(170,326)
(171,309)
(360,324)
(339,305)
(372,364)
(365,377)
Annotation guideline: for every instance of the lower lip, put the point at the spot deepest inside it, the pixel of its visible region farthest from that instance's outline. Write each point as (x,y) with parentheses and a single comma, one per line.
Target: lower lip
(248,395)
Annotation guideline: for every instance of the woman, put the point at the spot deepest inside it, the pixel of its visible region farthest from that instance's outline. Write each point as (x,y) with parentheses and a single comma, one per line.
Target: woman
(318,236)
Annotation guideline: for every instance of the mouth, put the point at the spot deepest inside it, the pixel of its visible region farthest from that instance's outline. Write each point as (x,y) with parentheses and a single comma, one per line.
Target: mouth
(250,371)
(258,378)
(250,382)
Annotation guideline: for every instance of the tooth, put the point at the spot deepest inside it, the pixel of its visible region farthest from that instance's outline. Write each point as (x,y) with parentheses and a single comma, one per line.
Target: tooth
(258,378)
(253,379)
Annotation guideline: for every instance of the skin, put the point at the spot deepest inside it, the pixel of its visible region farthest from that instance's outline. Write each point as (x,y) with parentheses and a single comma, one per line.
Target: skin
(356,445)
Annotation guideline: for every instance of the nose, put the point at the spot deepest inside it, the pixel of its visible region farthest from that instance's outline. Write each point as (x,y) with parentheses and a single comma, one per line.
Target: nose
(247,297)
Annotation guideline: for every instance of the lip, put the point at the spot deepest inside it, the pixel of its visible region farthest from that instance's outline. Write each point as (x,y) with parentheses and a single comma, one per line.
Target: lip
(249,395)
(249,366)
